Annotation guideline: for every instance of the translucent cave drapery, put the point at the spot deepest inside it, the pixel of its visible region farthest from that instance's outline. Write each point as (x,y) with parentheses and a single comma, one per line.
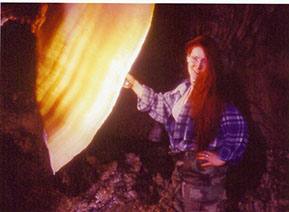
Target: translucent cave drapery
(82,63)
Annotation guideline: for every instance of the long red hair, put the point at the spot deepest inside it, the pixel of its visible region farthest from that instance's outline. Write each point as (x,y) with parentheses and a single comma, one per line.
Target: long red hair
(207,101)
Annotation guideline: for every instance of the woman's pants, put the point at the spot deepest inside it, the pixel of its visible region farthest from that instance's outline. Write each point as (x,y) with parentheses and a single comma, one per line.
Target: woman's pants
(197,188)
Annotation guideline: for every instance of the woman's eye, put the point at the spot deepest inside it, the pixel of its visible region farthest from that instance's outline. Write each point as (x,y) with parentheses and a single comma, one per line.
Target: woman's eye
(194,59)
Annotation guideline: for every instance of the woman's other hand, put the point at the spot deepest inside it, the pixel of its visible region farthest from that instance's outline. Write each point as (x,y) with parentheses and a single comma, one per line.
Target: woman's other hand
(211,158)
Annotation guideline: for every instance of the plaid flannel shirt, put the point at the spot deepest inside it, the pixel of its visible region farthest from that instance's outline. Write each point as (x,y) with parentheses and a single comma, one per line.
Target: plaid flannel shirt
(232,137)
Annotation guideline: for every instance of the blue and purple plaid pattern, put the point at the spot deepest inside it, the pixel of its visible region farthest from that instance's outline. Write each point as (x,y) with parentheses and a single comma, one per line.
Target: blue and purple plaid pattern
(232,137)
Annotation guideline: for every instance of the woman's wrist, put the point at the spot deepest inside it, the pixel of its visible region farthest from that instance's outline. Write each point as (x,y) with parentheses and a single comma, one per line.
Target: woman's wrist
(137,88)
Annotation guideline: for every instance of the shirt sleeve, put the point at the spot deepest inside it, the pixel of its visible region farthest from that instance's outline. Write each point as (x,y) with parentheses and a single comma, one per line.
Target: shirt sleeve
(159,105)
(234,136)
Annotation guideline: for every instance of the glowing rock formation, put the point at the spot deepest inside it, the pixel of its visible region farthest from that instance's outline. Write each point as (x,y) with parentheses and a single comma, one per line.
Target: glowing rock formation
(82,65)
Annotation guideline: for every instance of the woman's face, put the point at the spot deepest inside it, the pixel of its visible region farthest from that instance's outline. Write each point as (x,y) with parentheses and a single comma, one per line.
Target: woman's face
(197,62)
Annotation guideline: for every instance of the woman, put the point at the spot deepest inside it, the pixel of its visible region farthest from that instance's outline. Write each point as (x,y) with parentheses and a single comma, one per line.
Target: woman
(206,132)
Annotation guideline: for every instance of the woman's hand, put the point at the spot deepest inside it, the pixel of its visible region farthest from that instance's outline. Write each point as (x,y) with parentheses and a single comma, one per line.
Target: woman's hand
(211,158)
(129,81)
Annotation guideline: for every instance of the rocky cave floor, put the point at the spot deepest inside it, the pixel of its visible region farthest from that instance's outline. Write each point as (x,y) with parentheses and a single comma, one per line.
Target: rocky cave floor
(121,174)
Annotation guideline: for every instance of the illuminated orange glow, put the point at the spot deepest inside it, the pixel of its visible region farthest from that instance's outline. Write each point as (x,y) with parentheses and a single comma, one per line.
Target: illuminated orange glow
(82,69)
